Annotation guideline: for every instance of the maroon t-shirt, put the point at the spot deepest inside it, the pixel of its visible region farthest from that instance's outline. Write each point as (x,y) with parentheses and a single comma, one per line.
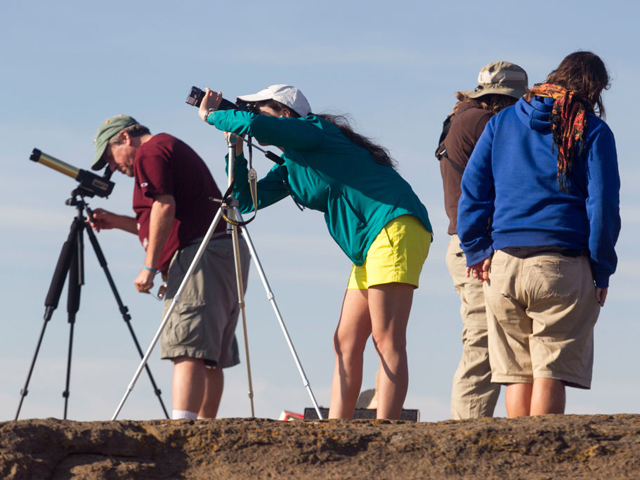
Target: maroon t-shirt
(165,165)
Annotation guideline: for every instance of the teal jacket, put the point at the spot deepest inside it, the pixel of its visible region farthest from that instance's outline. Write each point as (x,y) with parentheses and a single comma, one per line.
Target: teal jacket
(325,171)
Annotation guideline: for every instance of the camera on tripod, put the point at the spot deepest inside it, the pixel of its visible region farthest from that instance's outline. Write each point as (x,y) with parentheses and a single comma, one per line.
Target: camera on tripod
(196,95)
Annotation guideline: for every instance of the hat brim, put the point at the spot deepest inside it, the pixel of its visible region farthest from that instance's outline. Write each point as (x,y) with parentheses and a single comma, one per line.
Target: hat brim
(98,160)
(495,90)
(262,95)
(287,95)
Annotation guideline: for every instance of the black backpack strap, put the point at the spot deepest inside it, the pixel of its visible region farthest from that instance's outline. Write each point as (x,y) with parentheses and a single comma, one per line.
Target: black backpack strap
(455,166)
(441,151)
(446,126)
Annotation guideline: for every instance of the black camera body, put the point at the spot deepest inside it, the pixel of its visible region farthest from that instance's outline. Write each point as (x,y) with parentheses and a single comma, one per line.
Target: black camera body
(195,98)
(196,95)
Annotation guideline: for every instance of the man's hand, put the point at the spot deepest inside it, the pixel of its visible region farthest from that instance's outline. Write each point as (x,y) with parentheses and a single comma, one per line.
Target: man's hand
(480,270)
(144,281)
(105,220)
(102,220)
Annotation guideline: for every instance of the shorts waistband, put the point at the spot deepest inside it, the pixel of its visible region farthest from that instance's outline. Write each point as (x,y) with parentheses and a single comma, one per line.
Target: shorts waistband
(215,236)
(526,252)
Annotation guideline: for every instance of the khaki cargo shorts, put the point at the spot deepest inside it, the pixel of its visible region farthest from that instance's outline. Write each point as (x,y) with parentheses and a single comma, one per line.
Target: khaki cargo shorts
(541,312)
(203,323)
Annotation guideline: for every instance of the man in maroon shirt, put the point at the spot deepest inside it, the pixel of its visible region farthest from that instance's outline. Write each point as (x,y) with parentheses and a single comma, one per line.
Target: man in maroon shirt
(173,212)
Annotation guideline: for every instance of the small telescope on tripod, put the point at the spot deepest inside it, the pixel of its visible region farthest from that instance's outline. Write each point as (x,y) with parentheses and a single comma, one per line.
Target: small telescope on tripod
(71,264)
(90,183)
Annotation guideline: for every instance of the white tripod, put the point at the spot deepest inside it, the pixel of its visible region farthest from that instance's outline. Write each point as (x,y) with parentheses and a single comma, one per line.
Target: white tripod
(231,204)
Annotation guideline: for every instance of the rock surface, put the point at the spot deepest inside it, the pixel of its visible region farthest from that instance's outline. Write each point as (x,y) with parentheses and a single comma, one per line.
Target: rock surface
(549,447)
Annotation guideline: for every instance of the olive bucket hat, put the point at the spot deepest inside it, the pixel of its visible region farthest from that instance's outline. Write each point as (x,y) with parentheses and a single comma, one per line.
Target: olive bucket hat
(500,78)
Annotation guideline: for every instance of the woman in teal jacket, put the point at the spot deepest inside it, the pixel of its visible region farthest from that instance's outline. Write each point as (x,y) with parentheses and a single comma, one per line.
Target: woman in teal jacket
(370,211)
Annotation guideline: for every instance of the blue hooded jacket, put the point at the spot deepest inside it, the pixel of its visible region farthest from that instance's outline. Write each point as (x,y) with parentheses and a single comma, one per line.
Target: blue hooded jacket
(511,198)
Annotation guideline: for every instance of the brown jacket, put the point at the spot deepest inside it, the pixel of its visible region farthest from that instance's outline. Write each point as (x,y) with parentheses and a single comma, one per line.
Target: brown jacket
(466,128)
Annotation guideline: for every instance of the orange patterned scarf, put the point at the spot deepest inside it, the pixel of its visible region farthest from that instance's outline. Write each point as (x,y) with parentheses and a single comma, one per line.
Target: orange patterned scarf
(568,125)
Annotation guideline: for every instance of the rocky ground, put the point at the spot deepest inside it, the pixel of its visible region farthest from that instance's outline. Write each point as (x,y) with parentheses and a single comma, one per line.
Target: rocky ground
(550,447)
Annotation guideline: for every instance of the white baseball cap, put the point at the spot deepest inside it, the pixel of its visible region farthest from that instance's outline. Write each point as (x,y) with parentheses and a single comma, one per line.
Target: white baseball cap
(285,94)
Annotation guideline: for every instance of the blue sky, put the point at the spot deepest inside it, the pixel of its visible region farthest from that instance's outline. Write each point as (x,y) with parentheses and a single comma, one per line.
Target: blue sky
(393,67)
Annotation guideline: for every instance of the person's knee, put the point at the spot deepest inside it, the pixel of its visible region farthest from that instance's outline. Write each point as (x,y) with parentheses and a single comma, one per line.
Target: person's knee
(349,343)
(387,346)
(346,348)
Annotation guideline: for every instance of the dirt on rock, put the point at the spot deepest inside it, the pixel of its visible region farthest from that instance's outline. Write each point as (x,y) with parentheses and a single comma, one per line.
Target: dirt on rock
(548,447)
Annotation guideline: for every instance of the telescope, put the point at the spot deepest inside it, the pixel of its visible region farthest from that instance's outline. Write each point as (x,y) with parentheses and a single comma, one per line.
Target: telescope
(90,183)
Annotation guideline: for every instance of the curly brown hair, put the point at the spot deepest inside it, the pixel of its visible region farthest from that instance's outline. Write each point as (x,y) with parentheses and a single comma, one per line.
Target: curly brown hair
(491,102)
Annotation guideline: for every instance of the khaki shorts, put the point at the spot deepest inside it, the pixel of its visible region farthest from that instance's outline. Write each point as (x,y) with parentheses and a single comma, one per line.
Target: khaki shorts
(395,256)
(203,323)
(541,312)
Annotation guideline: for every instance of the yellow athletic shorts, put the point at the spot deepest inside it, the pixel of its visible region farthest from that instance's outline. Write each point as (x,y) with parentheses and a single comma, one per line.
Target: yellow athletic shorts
(395,256)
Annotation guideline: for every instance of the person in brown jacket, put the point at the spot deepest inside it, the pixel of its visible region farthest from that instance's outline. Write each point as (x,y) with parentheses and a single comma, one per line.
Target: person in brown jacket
(500,84)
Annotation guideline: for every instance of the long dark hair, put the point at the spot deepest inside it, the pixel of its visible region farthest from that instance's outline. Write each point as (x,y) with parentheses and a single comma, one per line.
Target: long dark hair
(576,86)
(585,74)
(379,153)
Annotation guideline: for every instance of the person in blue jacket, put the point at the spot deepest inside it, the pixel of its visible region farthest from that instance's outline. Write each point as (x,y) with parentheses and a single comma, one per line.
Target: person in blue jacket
(371,212)
(538,220)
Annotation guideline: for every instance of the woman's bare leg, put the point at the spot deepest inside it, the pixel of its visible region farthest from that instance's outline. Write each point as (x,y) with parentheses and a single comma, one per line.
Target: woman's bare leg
(349,341)
(389,308)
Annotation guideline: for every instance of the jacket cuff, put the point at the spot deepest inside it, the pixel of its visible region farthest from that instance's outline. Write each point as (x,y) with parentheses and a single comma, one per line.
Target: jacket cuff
(477,255)
(602,280)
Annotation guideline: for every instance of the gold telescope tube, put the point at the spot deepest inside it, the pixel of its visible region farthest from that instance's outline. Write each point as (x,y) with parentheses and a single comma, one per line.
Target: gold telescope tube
(51,162)
(90,183)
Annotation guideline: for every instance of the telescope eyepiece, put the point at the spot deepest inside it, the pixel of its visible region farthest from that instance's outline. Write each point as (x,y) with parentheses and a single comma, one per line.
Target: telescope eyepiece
(35,155)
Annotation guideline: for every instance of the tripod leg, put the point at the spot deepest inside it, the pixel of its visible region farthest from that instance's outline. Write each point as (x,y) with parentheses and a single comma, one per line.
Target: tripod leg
(172,306)
(52,298)
(245,334)
(235,214)
(76,280)
(272,300)
(124,311)
(25,389)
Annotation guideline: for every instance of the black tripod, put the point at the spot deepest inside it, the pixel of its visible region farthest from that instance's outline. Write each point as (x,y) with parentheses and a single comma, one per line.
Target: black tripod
(71,260)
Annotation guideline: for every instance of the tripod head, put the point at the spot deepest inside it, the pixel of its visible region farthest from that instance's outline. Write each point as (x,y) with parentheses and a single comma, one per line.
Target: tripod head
(76,199)
(270,155)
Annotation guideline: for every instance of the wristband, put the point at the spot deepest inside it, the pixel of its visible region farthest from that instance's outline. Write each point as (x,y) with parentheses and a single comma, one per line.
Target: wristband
(149,269)
(209,112)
